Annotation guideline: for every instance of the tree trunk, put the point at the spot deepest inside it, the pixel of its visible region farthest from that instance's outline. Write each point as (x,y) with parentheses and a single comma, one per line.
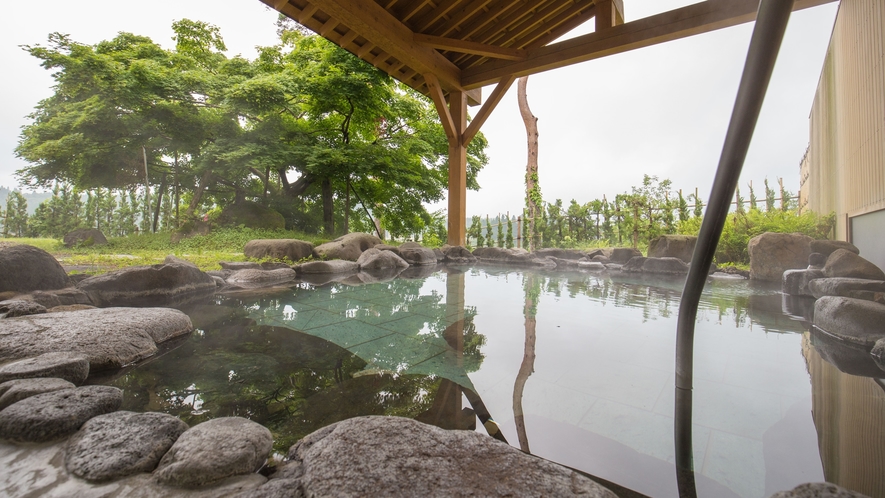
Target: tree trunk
(532,189)
(160,193)
(328,211)
(198,195)
(177,195)
(528,362)
(347,206)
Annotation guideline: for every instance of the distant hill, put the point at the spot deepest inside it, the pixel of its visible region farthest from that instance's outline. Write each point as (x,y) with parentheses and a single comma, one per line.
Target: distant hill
(34,198)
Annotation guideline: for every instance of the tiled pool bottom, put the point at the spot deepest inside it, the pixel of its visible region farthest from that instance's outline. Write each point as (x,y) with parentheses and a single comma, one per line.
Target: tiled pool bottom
(575,368)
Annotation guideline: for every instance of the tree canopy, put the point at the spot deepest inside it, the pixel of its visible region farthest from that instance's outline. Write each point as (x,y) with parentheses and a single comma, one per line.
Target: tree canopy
(300,128)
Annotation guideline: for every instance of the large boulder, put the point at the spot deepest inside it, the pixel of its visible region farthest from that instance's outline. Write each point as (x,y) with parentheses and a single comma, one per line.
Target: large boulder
(147,285)
(68,366)
(190,229)
(25,268)
(797,282)
(108,337)
(261,277)
(251,215)
(119,444)
(571,254)
(375,259)
(844,263)
(58,297)
(512,257)
(347,247)
(818,490)
(771,254)
(393,456)
(17,307)
(416,254)
(85,237)
(639,264)
(214,450)
(878,353)
(852,320)
(335,266)
(621,255)
(845,287)
(672,246)
(291,249)
(827,247)
(458,255)
(13,391)
(58,414)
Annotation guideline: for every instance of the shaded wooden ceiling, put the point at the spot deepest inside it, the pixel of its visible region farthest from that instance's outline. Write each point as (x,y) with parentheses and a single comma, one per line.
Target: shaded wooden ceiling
(467,44)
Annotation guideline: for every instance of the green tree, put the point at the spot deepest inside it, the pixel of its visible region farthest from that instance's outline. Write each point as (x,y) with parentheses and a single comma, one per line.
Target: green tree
(508,240)
(769,197)
(15,222)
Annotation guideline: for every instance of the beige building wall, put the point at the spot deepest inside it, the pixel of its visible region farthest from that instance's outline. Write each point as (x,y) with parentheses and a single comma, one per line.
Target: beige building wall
(844,168)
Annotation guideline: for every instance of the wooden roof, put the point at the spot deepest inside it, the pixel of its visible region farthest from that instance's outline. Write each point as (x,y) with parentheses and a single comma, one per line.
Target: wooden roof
(467,44)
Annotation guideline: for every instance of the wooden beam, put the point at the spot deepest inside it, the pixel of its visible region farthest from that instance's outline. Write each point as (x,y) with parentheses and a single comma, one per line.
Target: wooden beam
(679,23)
(486,110)
(468,47)
(383,30)
(442,109)
(457,213)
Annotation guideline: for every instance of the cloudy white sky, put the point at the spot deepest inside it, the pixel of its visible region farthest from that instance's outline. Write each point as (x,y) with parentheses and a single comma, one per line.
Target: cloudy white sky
(661,110)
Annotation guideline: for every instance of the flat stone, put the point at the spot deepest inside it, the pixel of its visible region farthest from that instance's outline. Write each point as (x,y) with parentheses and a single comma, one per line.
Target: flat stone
(512,257)
(845,287)
(333,266)
(347,247)
(844,263)
(847,357)
(16,307)
(853,320)
(416,254)
(54,415)
(69,366)
(827,247)
(393,456)
(143,285)
(238,265)
(14,391)
(375,259)
(818,490)
(119,444)
(771,254)
(262,276)
(175,260)
(797,282)
(878,353)
(25,268)
(214,450)
(816,260)
(58,297)
(107,337)
(672,246)
(292,249)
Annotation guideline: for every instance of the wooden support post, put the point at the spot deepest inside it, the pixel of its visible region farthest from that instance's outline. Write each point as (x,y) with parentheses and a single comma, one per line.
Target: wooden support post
(457,235)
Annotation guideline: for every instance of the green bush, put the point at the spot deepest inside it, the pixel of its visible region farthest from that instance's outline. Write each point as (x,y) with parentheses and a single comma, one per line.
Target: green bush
(741,227)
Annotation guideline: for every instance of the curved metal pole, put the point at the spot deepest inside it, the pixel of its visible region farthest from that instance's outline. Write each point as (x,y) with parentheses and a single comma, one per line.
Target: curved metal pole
(771,22)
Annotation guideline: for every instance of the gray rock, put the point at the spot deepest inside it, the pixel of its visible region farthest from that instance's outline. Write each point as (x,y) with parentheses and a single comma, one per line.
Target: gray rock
(848,357)
(223,274)
(25,268)
(797,282)
(174,260)
(291,249)
(54,415)
(672,246)
(816,261)
(853,320)
(85,237)
(70,307)
(622,255)
(570,254)
(147,285)
(878,353)
(120,444)
(276,488)
(214,450)
(108,337)
(845,287)
(262,276)
(591,265)
(818,490)
(440,256)
(416,254)
(827,247)
(458,255)
(68,366)
(513,257)
(238,265)
(348,247)
(565,264)
(375,259)
(59,297)
(599,258)
(771,254)
(16,307)
(844,263)
(370,276)
(392,456)
(334,266)
(16,390)
(219,282)
(669,266)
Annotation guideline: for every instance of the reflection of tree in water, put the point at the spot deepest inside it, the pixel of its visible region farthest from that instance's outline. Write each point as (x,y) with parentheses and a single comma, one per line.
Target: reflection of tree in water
(532,288)
(290,381)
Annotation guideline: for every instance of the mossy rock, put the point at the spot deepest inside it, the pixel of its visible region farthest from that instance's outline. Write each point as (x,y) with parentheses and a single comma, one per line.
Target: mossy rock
(252,215)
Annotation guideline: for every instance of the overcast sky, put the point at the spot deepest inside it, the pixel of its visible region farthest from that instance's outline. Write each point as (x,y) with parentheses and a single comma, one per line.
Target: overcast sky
(661,110)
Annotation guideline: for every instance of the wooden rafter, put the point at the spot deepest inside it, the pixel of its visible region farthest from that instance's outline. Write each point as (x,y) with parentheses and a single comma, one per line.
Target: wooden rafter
(486,110)
(439,100)
(468,47)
